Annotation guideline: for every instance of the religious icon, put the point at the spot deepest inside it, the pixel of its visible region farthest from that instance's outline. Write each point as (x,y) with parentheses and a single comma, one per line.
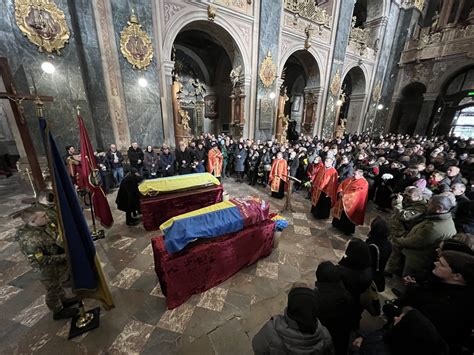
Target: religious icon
(210,106)
(135,44)
(199,87)
(43,23)
(267,71)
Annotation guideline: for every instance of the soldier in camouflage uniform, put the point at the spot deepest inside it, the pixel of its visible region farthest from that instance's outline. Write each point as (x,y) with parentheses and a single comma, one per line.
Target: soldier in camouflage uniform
(408,210)
(38,240)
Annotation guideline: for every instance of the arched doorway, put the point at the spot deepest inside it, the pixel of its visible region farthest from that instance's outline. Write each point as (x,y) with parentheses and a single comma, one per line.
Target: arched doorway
(204,56)
(457,94)
(302,82)
(352,99)
(463,122)
(407,110)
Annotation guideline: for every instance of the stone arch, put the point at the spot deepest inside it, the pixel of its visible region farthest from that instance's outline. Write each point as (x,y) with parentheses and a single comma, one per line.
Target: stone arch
(355,85)
(314,53)
(454,87)
(303,80)
(228,37)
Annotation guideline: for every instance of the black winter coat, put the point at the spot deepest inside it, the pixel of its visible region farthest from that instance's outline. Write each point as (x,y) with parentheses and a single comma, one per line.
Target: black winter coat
(128,197)
(336,313)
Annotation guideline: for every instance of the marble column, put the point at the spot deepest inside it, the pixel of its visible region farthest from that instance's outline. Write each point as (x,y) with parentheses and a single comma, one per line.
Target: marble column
(166,102)
(343,26)
(426,111)
(396,35)
(113,79)
(270,23)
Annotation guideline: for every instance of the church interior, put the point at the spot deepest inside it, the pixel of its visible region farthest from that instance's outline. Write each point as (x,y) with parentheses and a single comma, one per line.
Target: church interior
(253,146)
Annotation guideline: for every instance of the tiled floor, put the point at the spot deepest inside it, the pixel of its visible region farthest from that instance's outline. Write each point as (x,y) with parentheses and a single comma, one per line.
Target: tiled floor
(219,321)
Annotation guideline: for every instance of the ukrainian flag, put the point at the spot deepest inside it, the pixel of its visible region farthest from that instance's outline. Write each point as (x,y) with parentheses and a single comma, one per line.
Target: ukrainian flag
(88,279)
(212,221)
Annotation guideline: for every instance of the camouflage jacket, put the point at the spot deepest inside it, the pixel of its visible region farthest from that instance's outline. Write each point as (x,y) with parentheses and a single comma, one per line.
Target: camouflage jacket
(405,216)
(41,245)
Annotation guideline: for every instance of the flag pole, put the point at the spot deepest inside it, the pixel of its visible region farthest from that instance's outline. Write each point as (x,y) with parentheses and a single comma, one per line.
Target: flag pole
(96,233)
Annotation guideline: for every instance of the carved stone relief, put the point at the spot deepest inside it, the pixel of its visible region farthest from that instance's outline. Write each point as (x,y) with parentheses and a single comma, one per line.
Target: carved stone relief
(171,9)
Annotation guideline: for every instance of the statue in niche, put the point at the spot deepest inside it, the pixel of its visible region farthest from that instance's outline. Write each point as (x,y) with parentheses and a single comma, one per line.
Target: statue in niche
(185,120)
(199,87)
(235,76)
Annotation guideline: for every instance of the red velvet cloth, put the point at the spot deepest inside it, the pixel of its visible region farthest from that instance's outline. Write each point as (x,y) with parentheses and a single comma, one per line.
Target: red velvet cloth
(207,263)
(158,209)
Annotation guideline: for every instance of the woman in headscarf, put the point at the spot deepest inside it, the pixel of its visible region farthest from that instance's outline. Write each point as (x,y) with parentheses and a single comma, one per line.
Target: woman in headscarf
(356,273)
(380,249)
(297,331)
(150,162)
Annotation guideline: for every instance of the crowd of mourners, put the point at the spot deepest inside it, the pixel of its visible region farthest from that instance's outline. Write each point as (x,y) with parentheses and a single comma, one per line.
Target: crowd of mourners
(424,186)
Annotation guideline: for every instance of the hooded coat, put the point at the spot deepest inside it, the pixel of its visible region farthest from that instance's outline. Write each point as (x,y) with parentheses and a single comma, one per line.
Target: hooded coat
(281,335)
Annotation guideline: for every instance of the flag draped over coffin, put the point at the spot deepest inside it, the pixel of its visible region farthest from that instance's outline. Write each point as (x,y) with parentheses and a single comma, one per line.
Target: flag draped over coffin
(213,221)
(88,166)
(86,271)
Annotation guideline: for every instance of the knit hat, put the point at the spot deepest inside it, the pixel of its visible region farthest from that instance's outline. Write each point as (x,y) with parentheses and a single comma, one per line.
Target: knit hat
(302,308)
(328,272)
(461,263)
(420,183)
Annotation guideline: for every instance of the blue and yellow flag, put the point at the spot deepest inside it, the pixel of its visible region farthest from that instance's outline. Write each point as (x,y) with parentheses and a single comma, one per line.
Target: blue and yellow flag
(212,221)
(86,271)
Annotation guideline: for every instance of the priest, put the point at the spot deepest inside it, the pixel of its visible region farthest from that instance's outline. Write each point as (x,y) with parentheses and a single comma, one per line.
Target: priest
(324,186)
(214,161)
(351,203)
(278,176)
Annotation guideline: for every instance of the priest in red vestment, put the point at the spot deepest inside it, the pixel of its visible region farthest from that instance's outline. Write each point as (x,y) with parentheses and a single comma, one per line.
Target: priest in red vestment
(214,161)
(349,210)
(324,186)
(278,176)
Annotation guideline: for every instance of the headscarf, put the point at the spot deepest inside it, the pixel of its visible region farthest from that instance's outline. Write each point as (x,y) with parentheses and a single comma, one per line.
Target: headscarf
(328,272)
(379,228)
(303,308)
(357,255)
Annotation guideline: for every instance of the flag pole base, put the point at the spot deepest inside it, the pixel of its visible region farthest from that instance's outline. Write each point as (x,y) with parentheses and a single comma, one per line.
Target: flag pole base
(84,322)
(98,234)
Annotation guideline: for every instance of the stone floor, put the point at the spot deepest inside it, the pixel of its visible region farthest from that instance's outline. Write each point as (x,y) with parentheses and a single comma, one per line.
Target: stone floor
(222,320)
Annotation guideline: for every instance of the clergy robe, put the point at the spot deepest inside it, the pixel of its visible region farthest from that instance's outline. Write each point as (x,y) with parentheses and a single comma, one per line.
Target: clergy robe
(214,162)
(349,210)
(278,177)
(323,196)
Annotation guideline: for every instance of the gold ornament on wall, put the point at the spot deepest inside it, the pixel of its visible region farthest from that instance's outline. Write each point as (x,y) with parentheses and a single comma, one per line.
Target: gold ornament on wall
(336,83)
(43,23)
(135,44)
(267,71)
(211,12)
(377,93)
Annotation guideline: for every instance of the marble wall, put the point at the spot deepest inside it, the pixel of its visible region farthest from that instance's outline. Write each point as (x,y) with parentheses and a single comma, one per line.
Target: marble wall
(385,53)
(66,85)
(270,20)
(340,46)
(142,104)
(406,21)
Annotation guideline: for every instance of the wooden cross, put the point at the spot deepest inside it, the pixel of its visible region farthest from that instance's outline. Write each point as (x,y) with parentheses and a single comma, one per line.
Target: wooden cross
(15,101)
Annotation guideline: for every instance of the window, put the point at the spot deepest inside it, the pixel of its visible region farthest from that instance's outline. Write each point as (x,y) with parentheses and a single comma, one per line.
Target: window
(463,123)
